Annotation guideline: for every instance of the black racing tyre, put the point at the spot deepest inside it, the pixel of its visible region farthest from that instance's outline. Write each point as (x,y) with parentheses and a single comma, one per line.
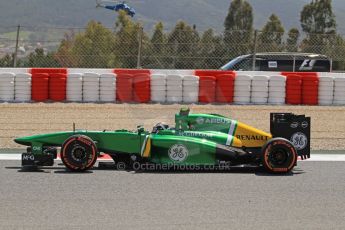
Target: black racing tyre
(279,156)
(79,153)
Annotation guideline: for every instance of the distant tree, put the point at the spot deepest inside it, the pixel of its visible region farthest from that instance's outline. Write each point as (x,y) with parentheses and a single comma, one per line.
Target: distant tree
(6,61)
(238,26)
(155,55)
(318,17)
(271,36)
(182,43)
(292,40)
(212,50)
(40,59)
(158,39)
(127,35)
(64,53)
(95,47)
(318,21)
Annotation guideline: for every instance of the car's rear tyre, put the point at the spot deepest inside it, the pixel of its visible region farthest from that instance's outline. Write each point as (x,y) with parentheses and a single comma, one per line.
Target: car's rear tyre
(279,156)
(79,153)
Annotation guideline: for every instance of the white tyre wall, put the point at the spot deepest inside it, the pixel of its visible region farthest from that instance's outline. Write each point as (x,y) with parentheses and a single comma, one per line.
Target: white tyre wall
(259,89)
(74,88)
(107,87)
(326,90)
(276,101)
(158,88)
(276,94)
(174,88)
(242,89)
(243,94)
(276,90)
(242,100)
(276,84)
(91,87)
(190,89)
(7,86)
(259,100)
(259,94)
(279,78)
(339,91)
(173,99)
(22,87)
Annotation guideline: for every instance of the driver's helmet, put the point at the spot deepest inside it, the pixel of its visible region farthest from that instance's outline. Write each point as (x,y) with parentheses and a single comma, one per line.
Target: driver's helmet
(159,126)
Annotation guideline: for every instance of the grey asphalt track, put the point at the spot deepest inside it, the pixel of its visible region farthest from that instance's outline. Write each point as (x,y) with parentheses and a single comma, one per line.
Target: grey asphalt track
(312,197)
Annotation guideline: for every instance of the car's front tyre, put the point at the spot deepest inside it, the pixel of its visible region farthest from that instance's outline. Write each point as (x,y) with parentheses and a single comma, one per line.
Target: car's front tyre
(79,153)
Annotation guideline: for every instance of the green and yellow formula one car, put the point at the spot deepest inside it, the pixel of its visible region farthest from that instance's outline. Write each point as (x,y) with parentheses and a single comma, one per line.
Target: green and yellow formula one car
(196,140)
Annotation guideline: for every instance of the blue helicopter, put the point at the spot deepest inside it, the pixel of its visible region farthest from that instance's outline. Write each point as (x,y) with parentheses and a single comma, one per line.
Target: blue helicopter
(116,7)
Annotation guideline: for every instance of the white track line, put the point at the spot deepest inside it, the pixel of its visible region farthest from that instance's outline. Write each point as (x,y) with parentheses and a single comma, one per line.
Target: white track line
(314,157)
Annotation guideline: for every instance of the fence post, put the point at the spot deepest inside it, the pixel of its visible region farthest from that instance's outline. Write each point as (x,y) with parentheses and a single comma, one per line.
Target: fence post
(140,37)
(16,50)
(255,48)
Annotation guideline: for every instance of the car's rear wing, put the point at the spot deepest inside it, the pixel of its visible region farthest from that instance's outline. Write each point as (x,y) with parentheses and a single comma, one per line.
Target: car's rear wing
(295,128)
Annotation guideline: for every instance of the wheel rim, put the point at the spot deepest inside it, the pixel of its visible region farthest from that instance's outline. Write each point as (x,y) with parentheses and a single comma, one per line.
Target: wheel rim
(78,153)
(278,157)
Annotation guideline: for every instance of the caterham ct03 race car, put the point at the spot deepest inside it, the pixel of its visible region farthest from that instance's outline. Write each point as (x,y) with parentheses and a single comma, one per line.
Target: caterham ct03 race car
(196,140)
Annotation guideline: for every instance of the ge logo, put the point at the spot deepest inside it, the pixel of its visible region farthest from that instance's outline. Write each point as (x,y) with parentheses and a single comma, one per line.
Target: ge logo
(299,140)
(178,152)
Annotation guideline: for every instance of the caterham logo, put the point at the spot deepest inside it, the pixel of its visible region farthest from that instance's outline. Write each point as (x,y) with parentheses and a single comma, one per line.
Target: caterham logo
(178,153)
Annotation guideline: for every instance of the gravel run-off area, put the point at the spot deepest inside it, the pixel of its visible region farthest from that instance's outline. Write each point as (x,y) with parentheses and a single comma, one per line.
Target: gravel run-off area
(16,120)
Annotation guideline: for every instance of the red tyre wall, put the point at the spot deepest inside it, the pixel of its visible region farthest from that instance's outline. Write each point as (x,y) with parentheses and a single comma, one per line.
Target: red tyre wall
(207,89)
(124,87)
(48,70)
(310,89)
(57,86)
(128,85)
(141,86)
(132,71)
(293,89)
(40,87)
(224,86)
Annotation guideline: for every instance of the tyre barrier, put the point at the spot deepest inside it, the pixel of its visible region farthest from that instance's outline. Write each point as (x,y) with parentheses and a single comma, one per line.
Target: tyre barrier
(22,87)
(207,89)
(173,86)
(339,91)
(293,89)
(107,87)
(310,89)
(326,90)
(277,90)
(242,89)
(141,88)
(124,87)
(225,88)
(57,86)
(259,90)
(40,87)
(90,87)
(74,88)
(158,86)
(7,87)
(190,89)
